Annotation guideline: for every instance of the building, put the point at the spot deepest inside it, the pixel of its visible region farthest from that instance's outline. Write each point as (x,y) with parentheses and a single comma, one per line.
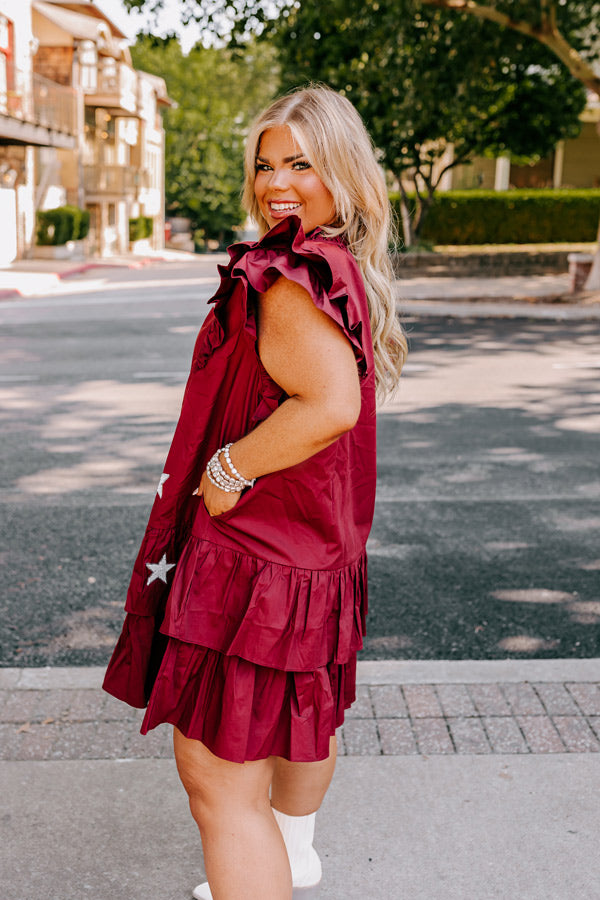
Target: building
(109,156)
(117,172)
(575,163)
(37,115)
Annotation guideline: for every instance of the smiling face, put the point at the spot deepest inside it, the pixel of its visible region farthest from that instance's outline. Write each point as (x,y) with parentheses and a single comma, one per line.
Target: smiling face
(286,184)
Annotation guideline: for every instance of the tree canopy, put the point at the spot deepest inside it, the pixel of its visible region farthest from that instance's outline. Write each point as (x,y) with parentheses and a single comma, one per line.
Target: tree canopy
(430,83)
(218,92)
(569,28)
(368,44)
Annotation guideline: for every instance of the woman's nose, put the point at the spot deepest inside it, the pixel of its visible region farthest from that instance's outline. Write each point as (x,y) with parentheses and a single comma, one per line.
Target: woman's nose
(280,178)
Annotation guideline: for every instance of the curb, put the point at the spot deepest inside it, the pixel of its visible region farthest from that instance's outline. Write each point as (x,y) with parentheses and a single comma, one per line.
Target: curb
(388,671)
(141,263)
(497,309)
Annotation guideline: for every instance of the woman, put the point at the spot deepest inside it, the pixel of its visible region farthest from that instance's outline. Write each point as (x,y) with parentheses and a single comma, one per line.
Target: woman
(248,598)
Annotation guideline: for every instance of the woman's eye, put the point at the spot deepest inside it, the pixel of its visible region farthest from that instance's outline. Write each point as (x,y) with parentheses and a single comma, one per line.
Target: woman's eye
(262,167)
(301,165)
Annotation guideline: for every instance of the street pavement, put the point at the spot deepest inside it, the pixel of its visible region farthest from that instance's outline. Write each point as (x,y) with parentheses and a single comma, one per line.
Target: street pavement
(469,765)
(486,534)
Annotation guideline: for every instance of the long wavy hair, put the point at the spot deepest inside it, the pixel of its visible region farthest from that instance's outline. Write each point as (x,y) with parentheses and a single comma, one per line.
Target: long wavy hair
(332,134)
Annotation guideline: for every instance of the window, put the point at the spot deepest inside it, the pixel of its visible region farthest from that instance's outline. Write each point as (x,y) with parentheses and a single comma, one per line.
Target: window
(88,61)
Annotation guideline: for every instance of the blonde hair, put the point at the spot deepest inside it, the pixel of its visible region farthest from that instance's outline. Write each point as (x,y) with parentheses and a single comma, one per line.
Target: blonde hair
(330,131)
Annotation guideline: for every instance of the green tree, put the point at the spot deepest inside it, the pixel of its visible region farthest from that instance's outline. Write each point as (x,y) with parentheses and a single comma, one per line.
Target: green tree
(435,89)
(570,30)
(218,91)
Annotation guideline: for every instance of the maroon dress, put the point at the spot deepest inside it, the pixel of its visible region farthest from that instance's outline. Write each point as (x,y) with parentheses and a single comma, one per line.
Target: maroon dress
(242,629)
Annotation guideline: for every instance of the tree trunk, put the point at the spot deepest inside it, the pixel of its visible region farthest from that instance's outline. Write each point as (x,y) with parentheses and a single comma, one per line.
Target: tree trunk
(407,224)
(425,204)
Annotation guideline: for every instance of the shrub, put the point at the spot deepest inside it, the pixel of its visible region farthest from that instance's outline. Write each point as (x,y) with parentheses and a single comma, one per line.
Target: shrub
(62,224)
(511,217)
(84,224)
(140,227)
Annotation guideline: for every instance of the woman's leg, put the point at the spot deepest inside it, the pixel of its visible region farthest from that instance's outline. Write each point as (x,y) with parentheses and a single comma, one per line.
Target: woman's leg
(298,788)
(244,852)
(297,791)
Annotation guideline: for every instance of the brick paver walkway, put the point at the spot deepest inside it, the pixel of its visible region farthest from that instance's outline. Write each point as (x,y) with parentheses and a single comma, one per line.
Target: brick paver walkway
(387,719)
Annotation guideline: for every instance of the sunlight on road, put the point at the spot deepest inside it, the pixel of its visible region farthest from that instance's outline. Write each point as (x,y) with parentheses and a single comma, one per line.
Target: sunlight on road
(88,421)
(530,379)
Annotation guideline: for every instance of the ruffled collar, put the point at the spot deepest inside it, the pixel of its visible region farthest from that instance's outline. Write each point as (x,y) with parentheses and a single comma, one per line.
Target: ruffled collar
(288,233)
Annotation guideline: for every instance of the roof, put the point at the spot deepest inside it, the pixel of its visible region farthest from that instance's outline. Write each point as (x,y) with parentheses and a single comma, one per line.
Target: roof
(159,86)
(82,19)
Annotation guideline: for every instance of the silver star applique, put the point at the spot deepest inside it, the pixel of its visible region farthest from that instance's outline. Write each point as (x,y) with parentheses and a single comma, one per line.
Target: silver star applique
(159,570)
(163,478)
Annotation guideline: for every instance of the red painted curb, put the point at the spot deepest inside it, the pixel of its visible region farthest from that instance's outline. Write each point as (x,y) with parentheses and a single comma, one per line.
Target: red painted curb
(85,267)
(142,262)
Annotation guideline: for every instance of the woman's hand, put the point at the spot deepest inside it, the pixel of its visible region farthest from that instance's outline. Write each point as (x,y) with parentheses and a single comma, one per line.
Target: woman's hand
(216,500)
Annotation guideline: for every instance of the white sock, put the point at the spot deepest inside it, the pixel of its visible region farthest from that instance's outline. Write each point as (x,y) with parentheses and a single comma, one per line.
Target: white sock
(298,833)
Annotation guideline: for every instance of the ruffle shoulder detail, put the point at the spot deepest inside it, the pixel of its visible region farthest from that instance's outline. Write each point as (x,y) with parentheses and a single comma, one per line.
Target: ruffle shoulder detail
(323,266)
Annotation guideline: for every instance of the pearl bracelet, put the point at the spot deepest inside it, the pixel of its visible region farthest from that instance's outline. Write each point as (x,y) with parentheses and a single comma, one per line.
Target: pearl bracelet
(220,478)
(247,482)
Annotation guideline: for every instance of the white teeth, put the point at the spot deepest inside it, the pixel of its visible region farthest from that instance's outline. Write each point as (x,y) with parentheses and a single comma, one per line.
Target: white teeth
(280,207)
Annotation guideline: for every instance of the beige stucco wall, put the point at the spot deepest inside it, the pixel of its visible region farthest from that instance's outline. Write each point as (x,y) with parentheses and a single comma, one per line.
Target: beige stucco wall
(581,167)
(51,35)
(480,174)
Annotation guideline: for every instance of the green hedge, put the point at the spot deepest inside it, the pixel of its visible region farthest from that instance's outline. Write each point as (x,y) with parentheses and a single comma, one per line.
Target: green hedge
(511,217)
(62,224)
(141,227)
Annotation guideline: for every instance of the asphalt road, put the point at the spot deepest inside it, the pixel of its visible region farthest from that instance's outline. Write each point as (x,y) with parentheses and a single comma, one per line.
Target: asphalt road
(486,538)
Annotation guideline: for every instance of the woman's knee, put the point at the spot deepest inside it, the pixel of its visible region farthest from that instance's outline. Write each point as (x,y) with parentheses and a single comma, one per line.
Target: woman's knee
(299,787)
(216,786)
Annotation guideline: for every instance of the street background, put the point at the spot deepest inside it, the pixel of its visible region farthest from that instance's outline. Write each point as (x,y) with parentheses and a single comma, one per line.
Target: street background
(487,526)
(469,762)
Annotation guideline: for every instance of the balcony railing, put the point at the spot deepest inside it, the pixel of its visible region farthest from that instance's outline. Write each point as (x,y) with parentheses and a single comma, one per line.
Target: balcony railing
(54,105)
(100,179)
(111,84)
(17,101)
(38,101)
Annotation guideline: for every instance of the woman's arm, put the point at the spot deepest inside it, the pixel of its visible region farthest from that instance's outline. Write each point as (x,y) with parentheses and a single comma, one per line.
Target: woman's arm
(307,354)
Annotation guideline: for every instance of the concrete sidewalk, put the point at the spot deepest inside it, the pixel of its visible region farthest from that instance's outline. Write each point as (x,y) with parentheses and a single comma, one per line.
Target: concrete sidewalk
(455,780)
(502,309)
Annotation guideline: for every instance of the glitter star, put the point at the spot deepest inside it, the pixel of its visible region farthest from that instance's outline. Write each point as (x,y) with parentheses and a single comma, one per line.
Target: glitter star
(159,570)
(163,478)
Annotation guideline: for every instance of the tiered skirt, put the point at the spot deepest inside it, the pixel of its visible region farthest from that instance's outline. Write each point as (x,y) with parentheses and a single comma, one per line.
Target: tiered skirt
(243,711)
(253,658)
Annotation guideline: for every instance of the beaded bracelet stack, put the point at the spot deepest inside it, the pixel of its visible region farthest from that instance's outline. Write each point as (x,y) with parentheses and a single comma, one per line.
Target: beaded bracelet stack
(220,478)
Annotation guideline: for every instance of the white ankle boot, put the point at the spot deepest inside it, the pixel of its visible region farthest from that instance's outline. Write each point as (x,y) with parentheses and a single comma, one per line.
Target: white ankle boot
(298,833)
(202,892)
